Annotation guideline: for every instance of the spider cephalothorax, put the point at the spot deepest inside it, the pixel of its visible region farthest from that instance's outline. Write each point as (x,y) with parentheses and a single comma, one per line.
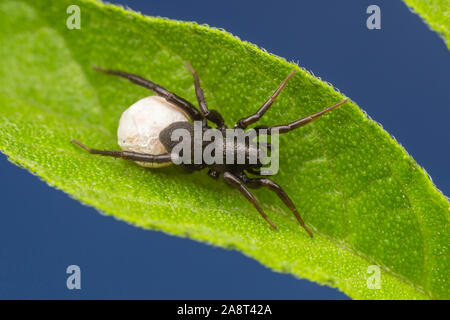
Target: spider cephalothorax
(151,142)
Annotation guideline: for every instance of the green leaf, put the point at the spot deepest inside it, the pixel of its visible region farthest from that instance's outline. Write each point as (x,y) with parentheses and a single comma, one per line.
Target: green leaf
(436,13)
(367,200)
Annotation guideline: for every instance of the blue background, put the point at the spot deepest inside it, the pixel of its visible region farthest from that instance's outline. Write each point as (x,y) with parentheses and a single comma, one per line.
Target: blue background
(399,75)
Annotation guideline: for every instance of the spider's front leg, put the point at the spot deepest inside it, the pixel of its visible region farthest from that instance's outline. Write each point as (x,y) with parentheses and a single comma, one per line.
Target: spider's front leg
(265,182)
(245,122)
(283,128)
(234,181)
(212,115)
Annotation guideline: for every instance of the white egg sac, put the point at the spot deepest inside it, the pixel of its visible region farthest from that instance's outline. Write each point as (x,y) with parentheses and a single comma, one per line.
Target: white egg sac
(140,125)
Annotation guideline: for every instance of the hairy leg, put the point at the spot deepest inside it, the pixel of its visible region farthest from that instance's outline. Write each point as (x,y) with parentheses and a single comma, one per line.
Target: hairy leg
(234,181)
(185,105)
(212,115)
(127,155)
(265,182)
(283,128)
(245,122)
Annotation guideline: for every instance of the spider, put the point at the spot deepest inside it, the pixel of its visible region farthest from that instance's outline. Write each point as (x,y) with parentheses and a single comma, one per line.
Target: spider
(233,174)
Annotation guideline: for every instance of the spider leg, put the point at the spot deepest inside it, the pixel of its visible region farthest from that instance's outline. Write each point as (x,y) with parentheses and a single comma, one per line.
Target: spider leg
(185,105)
(264,182)
(128,155)
(283,128)
(256,172)
(211,115)
(245,122)
(237,183)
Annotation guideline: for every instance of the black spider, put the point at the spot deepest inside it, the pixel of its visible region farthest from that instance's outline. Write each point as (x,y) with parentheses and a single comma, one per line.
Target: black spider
(234,174)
